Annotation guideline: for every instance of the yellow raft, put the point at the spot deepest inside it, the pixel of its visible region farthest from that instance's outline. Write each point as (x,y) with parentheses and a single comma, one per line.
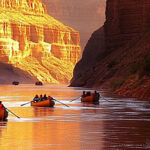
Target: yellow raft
(44,103)
(3,114)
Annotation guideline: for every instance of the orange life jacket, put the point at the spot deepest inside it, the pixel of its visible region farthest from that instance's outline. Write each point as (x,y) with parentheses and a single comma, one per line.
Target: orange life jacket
(83,95)
(1,106)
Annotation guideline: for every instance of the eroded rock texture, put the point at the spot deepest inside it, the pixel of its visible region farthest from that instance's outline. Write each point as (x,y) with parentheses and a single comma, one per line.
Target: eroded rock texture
(125,20)
(27,31)
(122,57)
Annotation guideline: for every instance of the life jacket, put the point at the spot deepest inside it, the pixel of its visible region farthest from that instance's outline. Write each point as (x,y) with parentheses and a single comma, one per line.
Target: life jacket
(1,106)
(94,95)
(83,95)
(50,98)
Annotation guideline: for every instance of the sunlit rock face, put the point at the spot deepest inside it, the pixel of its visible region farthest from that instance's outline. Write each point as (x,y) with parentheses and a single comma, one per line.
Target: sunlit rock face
(28,35)
(35,6)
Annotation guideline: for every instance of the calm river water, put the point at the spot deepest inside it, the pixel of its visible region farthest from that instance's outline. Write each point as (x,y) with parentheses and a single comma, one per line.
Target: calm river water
(114,124)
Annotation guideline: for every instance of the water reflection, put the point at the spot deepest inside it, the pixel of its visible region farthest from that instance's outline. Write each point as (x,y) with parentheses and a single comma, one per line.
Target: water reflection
(126,125)
(127,134)
(40,111)
(112,124)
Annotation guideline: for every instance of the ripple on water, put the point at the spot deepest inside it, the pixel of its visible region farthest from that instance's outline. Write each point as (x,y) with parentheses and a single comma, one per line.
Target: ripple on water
(113,124)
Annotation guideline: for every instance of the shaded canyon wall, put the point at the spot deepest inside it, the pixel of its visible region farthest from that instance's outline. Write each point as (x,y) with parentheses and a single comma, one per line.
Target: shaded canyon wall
(122,57)
(83,15)
(37,43)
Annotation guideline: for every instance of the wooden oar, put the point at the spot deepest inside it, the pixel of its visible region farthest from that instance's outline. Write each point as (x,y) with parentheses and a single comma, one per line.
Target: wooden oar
(75,99)
(25,103)
(12,112)
(60,102)
(103,98)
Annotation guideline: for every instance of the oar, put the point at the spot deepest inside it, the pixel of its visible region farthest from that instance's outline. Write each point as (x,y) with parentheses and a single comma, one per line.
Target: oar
(60,102)
(12,112)
(104,98)
(25,103)
(75,99)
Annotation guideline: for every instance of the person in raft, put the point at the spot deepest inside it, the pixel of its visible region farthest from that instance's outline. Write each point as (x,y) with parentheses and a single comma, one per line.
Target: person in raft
(88,93)
(1,105)
(41,97)
(44,97)
(84,94)
(36,98)
(96,95)
(50,98)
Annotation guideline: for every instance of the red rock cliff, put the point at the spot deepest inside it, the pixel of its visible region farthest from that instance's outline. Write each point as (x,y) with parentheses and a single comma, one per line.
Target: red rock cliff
(125,20)
(28,35)
(121,59)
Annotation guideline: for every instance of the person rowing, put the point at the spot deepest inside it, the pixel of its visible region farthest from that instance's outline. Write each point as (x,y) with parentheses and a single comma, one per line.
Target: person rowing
(96,96)
(1,106)
(36,98)
(84,94)
(50,98)
(44,97)
(41,98)
(4,112)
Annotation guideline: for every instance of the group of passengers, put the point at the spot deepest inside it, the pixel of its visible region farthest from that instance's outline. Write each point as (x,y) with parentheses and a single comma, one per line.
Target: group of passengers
(96,95)
(41,98)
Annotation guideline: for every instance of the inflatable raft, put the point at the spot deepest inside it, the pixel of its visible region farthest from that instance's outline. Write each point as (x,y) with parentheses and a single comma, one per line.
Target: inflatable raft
(44,103)
(3,114)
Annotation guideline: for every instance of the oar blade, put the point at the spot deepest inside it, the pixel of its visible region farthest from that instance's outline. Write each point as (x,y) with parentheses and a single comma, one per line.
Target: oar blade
(25,104)
(22,104)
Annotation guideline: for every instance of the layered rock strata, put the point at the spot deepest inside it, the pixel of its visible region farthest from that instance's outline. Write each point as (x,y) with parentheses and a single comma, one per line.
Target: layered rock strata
(125,20)
(26,30)
(122,62)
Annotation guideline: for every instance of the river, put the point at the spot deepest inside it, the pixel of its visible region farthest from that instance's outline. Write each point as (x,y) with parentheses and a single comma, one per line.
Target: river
(114,124)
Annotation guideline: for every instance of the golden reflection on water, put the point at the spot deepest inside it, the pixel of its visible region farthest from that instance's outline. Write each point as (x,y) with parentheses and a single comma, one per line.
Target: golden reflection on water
(58,128)
(37,132)
(113,124)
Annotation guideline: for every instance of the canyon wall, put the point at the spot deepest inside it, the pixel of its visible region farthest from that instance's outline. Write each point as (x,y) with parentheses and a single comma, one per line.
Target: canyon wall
(125,20)
(83,15)
(32,6)
(122,57)
(9,73)
(28,35)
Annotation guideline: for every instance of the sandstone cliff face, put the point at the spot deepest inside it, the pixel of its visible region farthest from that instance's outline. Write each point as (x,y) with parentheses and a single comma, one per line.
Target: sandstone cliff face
(124,65)
(27,31)
(24,5)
